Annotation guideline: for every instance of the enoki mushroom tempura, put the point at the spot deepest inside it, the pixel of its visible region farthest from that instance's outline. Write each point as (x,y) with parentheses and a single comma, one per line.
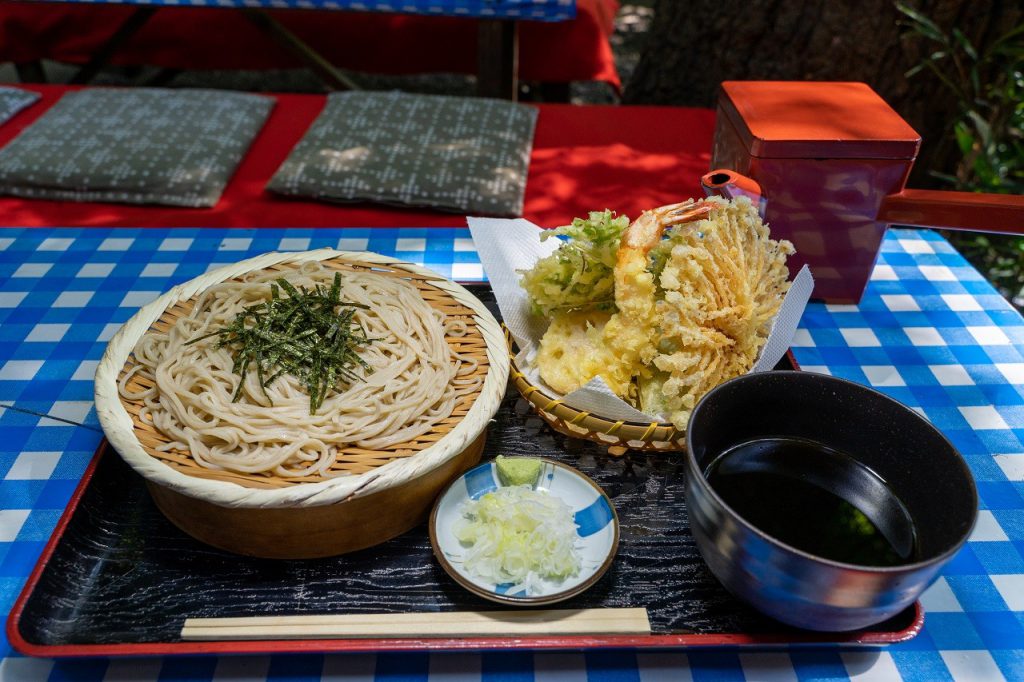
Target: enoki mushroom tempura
(415,382)
(724,281)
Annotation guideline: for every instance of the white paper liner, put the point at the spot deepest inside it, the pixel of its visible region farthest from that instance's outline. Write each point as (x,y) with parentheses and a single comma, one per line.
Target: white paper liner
(506,246)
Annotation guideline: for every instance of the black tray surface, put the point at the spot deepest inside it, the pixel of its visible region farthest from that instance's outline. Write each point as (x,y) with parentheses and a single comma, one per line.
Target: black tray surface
(122,574)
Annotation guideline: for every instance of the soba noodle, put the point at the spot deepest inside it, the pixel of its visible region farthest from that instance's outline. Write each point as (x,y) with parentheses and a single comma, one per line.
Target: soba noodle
(415,382)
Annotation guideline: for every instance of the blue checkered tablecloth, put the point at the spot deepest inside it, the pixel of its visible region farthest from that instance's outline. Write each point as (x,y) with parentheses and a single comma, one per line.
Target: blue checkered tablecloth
(541,10)
(929,332)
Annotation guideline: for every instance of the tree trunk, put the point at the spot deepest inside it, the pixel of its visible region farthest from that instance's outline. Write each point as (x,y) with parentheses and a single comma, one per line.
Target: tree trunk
(695,45)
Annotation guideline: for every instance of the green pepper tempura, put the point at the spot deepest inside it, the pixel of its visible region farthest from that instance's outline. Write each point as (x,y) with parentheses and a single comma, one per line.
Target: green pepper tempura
(578,276)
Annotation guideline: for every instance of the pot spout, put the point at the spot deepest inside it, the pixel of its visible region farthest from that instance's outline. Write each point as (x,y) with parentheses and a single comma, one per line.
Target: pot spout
(730,184)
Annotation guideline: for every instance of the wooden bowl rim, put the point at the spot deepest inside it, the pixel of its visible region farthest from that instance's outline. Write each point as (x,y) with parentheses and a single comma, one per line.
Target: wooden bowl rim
(119,428)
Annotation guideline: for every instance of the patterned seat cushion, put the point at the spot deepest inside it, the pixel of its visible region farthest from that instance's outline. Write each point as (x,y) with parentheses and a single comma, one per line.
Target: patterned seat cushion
(452,153)
(136,146)
(13,100)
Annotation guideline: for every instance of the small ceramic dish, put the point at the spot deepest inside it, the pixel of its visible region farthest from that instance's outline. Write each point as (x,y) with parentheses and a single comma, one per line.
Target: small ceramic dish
(597,528)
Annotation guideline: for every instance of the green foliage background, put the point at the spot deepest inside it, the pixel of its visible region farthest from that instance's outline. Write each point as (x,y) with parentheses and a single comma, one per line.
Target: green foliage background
(989,133)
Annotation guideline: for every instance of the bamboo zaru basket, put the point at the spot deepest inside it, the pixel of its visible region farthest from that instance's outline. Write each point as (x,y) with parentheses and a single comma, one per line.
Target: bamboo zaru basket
(379,493)
(617,435)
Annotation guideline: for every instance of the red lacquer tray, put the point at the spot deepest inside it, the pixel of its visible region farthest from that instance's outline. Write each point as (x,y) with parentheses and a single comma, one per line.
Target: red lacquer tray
(117,579)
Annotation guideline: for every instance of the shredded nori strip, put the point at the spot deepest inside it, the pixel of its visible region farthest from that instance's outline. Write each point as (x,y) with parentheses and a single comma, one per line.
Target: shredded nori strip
(312,335)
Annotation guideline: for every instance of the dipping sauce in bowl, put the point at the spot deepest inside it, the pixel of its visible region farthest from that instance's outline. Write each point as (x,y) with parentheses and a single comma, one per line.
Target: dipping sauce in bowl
(821,502)
(817,499)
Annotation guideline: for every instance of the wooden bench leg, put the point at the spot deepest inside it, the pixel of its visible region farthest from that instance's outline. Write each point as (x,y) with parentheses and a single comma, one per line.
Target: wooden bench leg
(30,72)
(329,74)
(498,59)
(162,78)
(555,92)
(102,56)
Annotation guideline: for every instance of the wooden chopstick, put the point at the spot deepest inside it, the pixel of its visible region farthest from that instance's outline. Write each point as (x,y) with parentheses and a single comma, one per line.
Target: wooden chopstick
(612,621)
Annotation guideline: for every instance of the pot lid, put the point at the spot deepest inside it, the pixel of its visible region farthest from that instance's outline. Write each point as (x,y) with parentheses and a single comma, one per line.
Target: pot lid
(803,119)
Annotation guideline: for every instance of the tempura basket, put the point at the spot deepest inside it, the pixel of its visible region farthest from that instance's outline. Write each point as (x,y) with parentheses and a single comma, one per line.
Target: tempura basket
(379,494)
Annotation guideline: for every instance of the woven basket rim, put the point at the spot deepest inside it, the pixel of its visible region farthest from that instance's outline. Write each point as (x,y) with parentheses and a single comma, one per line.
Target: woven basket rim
(577,423)
(119,427)
(560,402)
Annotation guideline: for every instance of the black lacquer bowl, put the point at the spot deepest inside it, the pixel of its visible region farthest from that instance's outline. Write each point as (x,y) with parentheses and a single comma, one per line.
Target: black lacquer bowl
(915,461)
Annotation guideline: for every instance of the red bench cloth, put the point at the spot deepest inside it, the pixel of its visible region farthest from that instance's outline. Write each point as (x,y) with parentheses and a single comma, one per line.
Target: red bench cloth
(214,38)
(584,159)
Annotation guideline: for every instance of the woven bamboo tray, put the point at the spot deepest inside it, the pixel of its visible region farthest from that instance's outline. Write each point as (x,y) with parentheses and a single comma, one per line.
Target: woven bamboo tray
(371,495)
(619,436)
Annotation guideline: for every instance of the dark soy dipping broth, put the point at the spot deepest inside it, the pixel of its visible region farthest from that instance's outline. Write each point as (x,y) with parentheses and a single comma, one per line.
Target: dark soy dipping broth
(815,499)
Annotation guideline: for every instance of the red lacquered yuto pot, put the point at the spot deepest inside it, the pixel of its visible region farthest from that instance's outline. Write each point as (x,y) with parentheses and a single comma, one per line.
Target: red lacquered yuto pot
(827,163)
